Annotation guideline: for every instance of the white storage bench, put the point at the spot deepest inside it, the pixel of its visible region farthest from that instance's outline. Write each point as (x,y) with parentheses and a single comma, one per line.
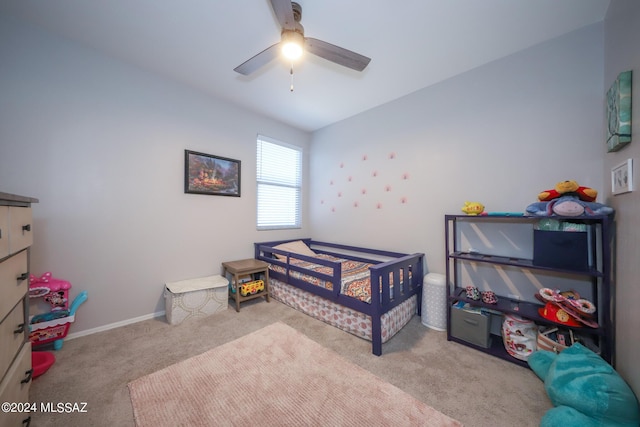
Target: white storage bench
(195,298)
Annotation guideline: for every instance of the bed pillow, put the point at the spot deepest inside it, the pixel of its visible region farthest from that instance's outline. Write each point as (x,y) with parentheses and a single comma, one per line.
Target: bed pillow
(296,247)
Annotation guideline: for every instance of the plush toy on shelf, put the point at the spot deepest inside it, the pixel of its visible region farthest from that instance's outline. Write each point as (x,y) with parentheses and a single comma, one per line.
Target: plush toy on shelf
(568,199)
(567,188)
(473,208)
(568,206)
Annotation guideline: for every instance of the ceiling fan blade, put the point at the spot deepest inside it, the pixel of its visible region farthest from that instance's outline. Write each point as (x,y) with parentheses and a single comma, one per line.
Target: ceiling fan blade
(284,13)
(258,60)
(336,54)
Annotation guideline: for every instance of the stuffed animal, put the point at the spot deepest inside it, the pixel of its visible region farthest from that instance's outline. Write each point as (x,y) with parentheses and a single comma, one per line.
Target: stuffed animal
(568,187)
(584,389)
(473,208)
(568,206)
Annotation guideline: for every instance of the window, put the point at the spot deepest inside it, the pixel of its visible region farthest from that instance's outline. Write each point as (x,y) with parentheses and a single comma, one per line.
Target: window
(279,181)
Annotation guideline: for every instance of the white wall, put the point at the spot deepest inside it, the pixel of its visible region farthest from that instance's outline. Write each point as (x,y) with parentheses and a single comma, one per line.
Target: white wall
(498,134)
(622,53)
(101,145)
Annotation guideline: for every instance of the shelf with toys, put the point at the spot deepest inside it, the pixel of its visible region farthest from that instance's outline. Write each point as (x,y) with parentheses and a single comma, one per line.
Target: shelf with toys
(547,271)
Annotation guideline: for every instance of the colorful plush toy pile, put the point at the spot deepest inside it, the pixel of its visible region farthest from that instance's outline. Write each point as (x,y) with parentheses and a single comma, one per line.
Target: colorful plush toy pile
(568,199)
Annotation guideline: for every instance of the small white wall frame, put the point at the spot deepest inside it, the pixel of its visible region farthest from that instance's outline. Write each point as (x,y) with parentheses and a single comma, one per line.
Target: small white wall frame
(622,177)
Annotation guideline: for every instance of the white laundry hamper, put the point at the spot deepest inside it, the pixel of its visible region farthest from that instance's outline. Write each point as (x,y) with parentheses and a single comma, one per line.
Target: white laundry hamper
(434,302)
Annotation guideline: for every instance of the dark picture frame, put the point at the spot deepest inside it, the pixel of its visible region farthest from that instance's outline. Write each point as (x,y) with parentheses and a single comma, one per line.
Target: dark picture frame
(212,175)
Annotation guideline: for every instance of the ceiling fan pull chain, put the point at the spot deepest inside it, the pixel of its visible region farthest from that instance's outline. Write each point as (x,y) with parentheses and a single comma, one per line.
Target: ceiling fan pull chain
(291,72)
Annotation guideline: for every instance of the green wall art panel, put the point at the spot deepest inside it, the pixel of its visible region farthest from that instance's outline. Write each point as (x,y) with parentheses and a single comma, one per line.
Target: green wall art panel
(619,112)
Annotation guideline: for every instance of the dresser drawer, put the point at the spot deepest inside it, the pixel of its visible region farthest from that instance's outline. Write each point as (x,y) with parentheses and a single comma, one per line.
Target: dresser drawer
(14,388)
(12,336)
(20,228)
(16,229)
(12,289)
(4,231)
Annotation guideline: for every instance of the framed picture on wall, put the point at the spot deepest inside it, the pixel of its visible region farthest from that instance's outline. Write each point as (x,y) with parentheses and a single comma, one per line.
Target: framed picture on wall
(212,175)
(622,178)
(619,112)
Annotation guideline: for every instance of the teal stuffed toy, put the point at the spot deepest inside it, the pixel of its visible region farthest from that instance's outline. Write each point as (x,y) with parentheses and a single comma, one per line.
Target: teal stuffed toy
(585,390)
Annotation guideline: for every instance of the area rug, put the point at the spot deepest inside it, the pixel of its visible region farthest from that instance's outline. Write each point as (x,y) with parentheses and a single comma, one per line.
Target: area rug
(275,376)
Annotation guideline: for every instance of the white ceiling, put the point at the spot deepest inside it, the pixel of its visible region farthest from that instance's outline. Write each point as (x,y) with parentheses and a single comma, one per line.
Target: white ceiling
(412,43)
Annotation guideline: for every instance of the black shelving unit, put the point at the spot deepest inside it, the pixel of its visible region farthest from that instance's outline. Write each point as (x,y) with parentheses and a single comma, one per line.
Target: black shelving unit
(599,274)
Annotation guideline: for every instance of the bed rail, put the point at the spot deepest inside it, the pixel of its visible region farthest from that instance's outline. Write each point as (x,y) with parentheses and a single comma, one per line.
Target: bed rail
(398,276)
(398,280)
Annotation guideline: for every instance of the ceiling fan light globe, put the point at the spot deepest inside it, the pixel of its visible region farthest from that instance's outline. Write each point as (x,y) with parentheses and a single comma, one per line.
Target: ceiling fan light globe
(292,51)
(292,43)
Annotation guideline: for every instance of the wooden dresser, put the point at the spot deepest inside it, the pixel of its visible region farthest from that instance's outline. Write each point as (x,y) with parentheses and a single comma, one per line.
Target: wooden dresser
(16,236)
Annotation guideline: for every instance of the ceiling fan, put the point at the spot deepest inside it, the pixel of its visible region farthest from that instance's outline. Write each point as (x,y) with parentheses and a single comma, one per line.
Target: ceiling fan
(293,43)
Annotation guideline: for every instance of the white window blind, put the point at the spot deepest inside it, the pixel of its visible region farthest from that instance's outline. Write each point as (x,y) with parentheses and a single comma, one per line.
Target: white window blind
(279,182)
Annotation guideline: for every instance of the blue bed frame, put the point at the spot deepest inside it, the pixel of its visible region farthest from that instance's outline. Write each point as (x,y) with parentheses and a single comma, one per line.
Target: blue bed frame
(381,273)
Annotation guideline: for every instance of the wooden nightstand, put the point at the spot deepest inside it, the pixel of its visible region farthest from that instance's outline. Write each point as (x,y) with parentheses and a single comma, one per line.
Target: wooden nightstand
(243,268)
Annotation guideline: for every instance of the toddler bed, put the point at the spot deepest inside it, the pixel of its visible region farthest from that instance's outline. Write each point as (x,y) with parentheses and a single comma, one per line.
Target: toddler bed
(332,282)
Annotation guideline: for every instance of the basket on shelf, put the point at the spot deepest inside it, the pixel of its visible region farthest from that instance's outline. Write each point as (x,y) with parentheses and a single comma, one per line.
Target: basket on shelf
(551,339)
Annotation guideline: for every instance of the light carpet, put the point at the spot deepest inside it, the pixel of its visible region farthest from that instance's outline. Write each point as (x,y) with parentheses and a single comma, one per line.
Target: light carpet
(275,376)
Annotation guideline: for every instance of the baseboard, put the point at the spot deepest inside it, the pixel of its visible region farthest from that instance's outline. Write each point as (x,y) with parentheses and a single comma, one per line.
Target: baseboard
(114,325)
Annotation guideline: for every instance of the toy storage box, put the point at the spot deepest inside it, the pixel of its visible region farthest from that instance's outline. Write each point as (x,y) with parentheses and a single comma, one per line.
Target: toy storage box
(561,249)
(195,298)
(471,326)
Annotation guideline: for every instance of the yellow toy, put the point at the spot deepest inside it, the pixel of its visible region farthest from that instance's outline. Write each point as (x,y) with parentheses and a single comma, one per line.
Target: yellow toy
(566,188)
(473,208)
(251,288)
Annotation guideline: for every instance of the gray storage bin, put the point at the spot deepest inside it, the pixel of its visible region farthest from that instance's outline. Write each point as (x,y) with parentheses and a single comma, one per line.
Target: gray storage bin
(471,326)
